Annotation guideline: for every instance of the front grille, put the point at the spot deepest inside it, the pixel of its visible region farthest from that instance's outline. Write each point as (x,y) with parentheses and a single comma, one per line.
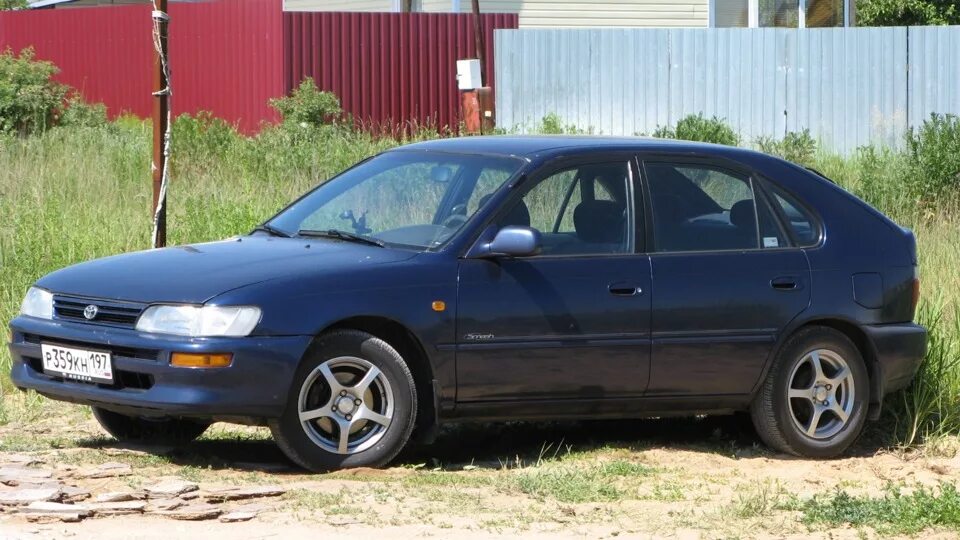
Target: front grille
(126,352)
(111,313)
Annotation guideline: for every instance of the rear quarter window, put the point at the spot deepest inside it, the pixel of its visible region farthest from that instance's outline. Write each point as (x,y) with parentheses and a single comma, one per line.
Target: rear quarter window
(799,220)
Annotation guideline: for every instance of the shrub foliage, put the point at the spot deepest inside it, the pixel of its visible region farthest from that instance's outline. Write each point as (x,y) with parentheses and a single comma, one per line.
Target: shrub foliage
(796,146)
(12,4)
(30,101)
(696,127)
(907,12)
(308,106)
(934,156)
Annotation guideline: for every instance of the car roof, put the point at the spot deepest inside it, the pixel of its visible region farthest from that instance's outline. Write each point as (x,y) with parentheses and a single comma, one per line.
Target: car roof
(531,146)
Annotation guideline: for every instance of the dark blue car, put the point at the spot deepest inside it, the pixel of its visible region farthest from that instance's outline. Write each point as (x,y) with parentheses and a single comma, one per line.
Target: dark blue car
(497,279)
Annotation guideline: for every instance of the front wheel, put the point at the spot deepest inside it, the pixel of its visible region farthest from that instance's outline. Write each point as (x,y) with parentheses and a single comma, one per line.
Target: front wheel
(814,400)
(352,404)
(126,428)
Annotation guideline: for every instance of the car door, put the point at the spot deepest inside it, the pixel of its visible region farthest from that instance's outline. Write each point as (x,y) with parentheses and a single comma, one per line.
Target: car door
(573,321)
(726,280)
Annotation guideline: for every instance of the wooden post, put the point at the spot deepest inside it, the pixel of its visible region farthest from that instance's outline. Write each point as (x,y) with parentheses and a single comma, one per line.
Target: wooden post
(161,108)
(478,37)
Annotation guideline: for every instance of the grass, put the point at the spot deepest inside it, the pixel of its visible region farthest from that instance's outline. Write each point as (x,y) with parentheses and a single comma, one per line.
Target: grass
(77,193)
(759,500)
(581,482)
(897,512)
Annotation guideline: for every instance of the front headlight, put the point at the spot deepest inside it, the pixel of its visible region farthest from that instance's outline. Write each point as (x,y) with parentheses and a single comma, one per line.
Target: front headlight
(200,321)
(37,303)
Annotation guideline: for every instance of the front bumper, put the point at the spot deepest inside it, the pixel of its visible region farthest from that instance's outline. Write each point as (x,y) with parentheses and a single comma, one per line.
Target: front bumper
(899,349)
(254,387)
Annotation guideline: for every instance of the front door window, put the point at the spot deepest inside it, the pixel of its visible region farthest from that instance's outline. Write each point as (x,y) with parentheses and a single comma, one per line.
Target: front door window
(580,210)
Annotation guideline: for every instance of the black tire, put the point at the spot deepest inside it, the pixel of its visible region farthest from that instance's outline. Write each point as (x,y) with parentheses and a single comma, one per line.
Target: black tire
(126,428)
(306,444)
(780,420)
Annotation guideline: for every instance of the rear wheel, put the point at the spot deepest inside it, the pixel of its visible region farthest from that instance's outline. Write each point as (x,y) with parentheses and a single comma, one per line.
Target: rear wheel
(141,429)
(814,400)
(352,404)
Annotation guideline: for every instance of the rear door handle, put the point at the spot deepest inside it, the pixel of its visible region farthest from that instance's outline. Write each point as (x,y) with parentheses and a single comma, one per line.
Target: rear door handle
(622,288)
(785,283)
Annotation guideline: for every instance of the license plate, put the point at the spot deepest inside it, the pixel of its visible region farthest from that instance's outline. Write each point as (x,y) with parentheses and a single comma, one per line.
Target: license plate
(77,364)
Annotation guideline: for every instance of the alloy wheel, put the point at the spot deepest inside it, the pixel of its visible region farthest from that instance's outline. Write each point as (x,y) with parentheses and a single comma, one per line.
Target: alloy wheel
(821,394)
(346,405)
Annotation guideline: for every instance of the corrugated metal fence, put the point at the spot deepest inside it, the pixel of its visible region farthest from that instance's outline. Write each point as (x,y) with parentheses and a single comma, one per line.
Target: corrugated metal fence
(849,87)
(227,56)
(230,57)
(388,68)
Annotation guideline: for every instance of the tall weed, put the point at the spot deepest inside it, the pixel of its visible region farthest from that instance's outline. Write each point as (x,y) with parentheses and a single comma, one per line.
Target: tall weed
(796,146)
(930,407)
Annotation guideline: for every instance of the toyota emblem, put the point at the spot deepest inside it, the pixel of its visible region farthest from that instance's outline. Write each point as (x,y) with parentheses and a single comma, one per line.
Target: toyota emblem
(90,312)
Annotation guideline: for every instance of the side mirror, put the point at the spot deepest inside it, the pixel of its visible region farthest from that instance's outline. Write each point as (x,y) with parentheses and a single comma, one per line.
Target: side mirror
(511,242)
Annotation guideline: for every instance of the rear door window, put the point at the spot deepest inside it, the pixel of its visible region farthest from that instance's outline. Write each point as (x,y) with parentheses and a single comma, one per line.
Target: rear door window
(698,207)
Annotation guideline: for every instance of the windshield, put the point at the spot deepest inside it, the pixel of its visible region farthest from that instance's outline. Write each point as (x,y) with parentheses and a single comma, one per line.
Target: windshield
(412,199)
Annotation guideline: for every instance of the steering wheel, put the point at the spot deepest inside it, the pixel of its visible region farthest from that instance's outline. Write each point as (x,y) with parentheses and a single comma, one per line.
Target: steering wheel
(457,217)
(454,221)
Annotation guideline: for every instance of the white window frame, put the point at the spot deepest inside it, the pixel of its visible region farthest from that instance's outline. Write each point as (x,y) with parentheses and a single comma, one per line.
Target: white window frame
(753,13)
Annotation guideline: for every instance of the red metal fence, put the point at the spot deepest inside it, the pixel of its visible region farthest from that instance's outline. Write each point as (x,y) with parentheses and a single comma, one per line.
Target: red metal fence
(230,57)
(388,67)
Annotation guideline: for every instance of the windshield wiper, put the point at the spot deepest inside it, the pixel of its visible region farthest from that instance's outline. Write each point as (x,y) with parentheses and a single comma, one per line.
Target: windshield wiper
(270,229)
(342,235)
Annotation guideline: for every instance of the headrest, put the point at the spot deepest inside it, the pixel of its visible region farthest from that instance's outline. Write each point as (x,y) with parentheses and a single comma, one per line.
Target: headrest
(599,222)
(742,214)
(519,216)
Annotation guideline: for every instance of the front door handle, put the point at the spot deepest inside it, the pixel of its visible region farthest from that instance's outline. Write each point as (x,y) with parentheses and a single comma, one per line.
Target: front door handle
(622,288)
(785,283)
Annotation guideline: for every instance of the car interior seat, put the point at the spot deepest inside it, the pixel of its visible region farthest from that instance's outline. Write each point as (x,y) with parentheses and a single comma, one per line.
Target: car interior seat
(744,218)
(600,222)
(518,216)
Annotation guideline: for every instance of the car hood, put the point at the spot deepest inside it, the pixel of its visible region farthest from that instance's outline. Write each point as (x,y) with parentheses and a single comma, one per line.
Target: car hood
(196,273)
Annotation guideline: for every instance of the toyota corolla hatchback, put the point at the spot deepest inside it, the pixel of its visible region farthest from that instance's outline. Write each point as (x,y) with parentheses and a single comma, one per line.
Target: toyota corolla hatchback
(499,278)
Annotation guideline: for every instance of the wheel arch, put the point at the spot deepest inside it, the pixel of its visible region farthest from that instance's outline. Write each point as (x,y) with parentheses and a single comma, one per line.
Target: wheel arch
(860,339)
(414,354)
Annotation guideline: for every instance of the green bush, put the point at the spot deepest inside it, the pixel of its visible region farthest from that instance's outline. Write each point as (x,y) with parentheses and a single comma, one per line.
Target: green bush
(308,106)
(202,139)
(12,4)
(552,124)
(907,12)
(796,146)
(82,114)
(934,155)
(30,101)
(696,127)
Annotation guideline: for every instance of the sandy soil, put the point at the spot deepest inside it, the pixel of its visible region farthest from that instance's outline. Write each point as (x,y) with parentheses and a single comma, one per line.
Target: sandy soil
(707,478)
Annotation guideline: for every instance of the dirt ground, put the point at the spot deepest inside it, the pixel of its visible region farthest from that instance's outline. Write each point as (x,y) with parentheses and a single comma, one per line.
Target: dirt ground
(699,478)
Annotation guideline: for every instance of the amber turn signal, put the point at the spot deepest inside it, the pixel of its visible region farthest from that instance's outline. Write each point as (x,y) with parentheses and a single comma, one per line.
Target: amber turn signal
(439,305)
(195,360)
